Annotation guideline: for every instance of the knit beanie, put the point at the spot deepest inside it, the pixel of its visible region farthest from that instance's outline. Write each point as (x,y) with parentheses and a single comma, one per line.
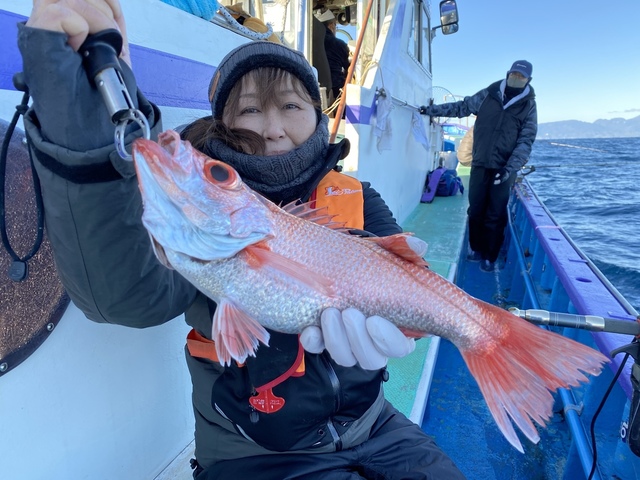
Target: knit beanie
(253,55)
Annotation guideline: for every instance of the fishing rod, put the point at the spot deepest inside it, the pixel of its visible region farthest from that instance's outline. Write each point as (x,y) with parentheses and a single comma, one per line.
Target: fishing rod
(610,325)
(593,323)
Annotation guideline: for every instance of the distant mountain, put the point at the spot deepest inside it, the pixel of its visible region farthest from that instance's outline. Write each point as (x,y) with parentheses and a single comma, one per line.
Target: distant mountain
(616,127)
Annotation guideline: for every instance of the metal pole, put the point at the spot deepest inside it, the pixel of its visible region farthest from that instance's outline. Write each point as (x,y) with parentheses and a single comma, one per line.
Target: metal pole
(343,98)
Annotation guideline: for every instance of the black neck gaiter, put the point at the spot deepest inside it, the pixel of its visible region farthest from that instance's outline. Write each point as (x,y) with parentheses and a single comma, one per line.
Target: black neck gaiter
(280,178)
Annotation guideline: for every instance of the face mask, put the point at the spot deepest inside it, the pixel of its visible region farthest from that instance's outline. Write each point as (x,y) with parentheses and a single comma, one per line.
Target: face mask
(516,82)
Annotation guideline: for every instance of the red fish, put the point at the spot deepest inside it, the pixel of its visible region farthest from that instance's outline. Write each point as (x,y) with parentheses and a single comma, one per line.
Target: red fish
(280,268)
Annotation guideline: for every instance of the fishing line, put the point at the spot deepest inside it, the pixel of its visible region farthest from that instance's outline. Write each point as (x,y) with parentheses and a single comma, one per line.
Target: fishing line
(566,165)
(576,146)
(595,416)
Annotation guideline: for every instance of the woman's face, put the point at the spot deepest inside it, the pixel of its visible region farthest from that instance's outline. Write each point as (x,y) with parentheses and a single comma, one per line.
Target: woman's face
(285,123)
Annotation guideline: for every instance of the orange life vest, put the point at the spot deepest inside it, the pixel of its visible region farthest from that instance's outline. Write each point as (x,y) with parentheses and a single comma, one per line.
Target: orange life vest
(343,196)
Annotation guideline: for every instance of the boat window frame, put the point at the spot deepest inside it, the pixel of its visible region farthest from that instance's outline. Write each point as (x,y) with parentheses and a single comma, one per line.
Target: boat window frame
(419,42)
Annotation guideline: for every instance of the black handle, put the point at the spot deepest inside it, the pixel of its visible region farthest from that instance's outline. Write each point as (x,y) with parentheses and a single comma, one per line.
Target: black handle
(101,51)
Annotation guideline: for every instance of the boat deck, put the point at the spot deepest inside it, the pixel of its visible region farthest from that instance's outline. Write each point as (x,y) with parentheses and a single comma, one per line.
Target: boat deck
(441,224)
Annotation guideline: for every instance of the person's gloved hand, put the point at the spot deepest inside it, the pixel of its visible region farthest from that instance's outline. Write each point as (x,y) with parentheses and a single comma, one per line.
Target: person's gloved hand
(350,337)
(426,110)
(501,177)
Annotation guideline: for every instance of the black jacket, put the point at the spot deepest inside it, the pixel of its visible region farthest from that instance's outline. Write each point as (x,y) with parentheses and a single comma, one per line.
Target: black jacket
(500,129)
(338,56)
(503,133)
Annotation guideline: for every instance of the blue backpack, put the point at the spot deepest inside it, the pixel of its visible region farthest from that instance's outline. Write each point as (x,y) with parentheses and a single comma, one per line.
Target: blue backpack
(443,183)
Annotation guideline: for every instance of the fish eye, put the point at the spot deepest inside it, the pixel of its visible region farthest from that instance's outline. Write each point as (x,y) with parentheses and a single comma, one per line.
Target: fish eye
(221,174)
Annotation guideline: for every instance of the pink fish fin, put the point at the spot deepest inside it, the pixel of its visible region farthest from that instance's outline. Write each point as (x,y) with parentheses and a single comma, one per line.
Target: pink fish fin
(519,367)
(235,333)
(398,244)
(321,215)
(259,255)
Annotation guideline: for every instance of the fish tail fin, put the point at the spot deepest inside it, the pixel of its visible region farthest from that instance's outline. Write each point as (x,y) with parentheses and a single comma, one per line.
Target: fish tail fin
(518,372)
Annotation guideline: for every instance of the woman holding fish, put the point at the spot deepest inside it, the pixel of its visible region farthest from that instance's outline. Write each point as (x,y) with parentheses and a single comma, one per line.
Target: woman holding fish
(308,405)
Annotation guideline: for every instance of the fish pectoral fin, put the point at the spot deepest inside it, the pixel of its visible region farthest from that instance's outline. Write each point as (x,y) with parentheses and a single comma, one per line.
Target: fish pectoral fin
(235,333)
(320,216)
(399,245)
(259,256)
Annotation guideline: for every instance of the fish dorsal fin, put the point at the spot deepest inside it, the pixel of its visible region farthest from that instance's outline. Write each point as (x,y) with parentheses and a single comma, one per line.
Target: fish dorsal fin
(260,255)
(235,333)
(321,215)
(399,245)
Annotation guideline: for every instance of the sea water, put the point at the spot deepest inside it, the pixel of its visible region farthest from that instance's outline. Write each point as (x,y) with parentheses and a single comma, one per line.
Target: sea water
(592,188)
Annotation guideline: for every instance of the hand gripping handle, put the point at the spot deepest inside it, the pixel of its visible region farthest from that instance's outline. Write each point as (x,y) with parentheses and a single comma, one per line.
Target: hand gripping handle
(100,53)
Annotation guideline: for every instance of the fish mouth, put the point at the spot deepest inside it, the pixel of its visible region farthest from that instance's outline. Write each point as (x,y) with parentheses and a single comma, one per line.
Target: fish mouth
(157,155)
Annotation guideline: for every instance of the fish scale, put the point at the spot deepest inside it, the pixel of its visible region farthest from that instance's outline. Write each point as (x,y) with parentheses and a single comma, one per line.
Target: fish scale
(268,268)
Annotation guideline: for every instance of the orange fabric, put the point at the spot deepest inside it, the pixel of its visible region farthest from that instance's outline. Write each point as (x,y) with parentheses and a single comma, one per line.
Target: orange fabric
(343,196)
(300,370)
(201,347)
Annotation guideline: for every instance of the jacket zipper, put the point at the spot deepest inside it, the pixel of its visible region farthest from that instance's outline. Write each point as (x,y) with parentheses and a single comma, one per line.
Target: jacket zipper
(335,385)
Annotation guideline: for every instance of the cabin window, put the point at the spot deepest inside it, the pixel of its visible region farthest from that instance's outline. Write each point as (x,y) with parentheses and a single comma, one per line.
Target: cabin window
(420,36)
(425,37)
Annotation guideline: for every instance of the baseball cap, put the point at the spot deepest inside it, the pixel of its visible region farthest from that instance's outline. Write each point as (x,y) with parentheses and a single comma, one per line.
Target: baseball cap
(523,67)
(326,16)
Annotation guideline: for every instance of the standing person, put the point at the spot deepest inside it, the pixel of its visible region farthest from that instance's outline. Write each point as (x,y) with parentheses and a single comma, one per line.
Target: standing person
(329,419)
(504,131)
(337,53)
(319,58)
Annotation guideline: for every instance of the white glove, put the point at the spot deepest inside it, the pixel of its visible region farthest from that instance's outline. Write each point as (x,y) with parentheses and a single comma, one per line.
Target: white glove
(350,337)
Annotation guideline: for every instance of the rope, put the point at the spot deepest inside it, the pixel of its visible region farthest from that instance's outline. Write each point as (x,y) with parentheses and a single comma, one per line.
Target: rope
(18,270)
(332,108)
(244,30)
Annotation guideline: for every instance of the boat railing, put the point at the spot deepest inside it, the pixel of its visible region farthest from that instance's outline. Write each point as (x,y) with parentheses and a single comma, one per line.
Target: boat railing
(553,274)
(561,276)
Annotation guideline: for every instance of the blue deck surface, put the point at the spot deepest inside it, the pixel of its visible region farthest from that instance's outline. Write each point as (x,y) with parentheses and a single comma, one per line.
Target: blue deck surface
(459,419)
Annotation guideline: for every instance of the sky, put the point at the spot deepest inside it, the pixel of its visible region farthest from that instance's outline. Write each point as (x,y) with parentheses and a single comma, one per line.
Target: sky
(585,53)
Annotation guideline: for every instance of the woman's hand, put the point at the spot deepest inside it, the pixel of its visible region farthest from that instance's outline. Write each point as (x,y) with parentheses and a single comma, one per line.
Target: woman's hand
(350,337)
(80,18)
